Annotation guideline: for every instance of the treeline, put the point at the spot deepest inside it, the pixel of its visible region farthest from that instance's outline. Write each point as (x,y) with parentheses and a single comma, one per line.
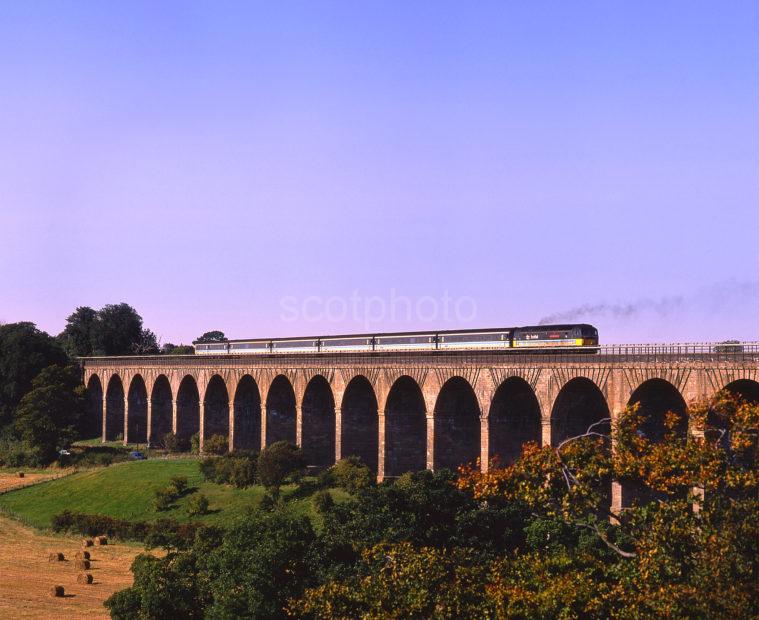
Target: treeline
(533,540)
(42,401)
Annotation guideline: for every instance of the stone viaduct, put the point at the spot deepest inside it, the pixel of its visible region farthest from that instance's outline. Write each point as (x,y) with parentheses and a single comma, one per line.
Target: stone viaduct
(405,411)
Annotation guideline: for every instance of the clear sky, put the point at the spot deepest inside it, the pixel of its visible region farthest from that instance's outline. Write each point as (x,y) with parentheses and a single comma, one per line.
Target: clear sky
(280,168)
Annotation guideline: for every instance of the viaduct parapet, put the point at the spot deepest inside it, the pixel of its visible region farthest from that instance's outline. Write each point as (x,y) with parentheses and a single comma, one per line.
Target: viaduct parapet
(404,411)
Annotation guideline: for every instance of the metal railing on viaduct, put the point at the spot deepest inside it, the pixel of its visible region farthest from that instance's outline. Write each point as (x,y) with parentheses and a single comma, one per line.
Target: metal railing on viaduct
(405,410)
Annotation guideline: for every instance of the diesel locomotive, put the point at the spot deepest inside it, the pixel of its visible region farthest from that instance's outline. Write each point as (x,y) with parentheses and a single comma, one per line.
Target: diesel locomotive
(542,337)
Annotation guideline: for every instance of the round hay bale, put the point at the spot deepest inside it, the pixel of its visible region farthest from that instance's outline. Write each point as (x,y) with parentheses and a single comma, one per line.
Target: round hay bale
(55,557)
(57,591)
(82,555)
(102,540)
(20,474)
(87,542)
(84,578)
(83,564)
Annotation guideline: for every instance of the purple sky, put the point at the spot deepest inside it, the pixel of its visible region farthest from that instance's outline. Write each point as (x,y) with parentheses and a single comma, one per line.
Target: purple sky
(343,167)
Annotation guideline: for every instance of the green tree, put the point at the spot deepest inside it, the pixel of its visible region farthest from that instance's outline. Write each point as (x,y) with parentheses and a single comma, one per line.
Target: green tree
(212,336)
(261,563)
(50,416)
(117,330)
(24,352)
(173,349)
(77,336)
(351,474)
(163,588)
(147,344)
(278,462)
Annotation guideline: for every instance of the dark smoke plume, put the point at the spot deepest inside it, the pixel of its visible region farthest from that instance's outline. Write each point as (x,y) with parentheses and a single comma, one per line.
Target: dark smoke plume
(711,300)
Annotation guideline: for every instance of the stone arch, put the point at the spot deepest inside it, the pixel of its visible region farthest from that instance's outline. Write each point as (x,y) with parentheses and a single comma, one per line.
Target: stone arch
(216,408)
(161,410)
(93,425)
(188,409)
(747,389)
(280,411)
(318,423)
(655,398)
(578,404)
(114,408)
(514,420)
(456,439)
(137,411)
(247,415)
(405,428)
(359,432)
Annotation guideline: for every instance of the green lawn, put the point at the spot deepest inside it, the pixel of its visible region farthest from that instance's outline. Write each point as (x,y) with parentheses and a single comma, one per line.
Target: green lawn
(126,491)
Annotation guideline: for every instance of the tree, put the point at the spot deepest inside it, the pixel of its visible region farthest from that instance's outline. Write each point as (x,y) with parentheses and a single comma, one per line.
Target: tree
(173,349)
(261,563)
(50,416)
(165,587)
(688,546)
(212,336)
(147,345)
(117,330)
(278,462)
(24,352)
(77,337)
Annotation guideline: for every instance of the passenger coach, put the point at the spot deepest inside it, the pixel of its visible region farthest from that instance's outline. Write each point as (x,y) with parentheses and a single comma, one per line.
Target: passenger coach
(583,337)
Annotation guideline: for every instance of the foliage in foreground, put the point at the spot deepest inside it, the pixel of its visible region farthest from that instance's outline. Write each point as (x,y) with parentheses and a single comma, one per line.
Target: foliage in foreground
(532,540)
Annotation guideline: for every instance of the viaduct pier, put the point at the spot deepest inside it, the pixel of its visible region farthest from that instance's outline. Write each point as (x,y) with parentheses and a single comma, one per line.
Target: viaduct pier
(404,410)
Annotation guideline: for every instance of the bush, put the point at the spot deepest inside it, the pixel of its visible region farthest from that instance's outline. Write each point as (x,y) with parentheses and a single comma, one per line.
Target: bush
(208,468)
(351,474)
(198,505)
(243,472)
(279,462)
(161,533)
(195,443)
(172,443)
(322,501)
(239,470)
(179,483)
(165,498)
(216,444)
(271,500)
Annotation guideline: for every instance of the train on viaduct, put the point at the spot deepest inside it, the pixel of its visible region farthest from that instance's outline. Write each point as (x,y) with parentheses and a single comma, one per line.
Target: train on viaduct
(405,410)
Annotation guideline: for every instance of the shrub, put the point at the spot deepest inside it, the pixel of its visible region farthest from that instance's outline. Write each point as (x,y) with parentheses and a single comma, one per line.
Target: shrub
(165,498)
(195,443)
(208,468)
(243,472)
(271,500)
(172,443)
(198,505)
(179,483)
(239,470)
(279,462)
(351,474)
(216,444)
(322,501)
(161,533)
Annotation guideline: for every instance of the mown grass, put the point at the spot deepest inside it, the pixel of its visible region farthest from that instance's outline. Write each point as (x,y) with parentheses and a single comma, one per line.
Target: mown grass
(126,491)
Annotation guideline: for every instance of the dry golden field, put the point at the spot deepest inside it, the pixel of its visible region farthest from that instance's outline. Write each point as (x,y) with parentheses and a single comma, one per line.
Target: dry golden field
(10,481)
(26,576)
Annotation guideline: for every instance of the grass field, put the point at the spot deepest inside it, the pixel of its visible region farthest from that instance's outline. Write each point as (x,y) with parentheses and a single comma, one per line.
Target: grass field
(126,491)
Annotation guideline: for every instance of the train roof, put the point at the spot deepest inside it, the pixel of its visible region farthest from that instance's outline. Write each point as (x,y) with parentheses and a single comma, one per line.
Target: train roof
(431,332)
